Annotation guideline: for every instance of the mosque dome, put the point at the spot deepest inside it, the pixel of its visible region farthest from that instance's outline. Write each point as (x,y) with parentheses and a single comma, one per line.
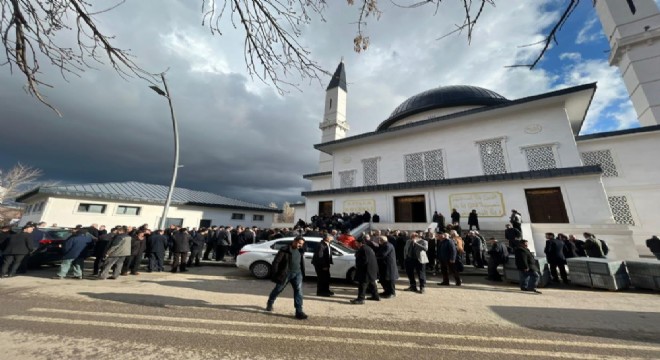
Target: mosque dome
(443,97)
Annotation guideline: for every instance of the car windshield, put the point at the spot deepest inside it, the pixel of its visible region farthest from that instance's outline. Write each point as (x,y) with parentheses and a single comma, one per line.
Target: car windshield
(343,247)
(62,234)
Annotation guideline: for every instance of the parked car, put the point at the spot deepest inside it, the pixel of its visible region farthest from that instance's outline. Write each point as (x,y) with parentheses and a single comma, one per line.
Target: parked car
(49,249)
(257,258)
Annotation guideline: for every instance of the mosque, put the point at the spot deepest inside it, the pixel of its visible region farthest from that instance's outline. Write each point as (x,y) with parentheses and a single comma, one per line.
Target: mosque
(467,147)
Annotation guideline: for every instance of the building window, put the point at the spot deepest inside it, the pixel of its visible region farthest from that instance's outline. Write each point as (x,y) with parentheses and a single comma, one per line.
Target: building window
(604,159)
(91,208)
(540,157)
(621,210)
(29,208)
(41,206)
(492,156)
(237,216)
(370,171)
(347,178)
(128,210)
(428,165)
(257,218)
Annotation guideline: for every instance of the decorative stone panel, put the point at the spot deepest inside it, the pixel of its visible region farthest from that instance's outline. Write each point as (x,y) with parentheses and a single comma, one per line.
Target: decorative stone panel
(414,167)
(604,159)
(434,168)
(492,156)
(370,171)
(621,210)
(347,178)
(540,158)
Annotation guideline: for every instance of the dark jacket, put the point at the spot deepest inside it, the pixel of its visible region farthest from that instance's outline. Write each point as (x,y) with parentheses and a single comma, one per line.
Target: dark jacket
(198,241)
(447,251)
(181,242)
(76,246)
(19,244)
(224,237)
(570,250)
(455,217)
(554,251)
(593,248)
(138,246)
(101,245)
(157,243)
(4,238)
(512,234)
(473,219)
(498,253)
(653,244)
(322,256)
(366,265)
(525,259)
(387,269)
(280,266)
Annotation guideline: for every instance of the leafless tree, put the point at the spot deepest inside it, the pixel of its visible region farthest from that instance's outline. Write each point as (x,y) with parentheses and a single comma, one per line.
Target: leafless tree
(272,29)
(16,180)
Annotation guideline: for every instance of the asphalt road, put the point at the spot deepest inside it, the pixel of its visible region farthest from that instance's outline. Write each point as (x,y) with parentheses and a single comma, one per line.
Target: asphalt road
(217,312)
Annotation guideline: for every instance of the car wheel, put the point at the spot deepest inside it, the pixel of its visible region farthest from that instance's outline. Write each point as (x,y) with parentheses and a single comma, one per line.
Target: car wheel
(260,270)
(350,276)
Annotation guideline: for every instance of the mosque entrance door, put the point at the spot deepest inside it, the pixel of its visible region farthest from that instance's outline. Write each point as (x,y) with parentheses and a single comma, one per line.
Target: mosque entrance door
(325,208)
(546,205)
(410,209)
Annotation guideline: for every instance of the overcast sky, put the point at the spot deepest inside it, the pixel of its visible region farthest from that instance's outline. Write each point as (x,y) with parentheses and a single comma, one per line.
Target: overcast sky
(239,137)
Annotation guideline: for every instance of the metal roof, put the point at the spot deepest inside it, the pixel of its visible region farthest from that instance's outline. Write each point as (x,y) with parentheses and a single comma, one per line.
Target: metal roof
(639,130)
(143,192)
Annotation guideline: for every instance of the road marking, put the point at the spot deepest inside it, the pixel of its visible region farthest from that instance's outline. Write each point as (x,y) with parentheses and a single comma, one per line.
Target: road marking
(325,339)
(356,330)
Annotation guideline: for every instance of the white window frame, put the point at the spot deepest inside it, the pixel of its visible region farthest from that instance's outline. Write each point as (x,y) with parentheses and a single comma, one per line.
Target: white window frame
(139,210)
(105,208)
(258,217)
(505,154)
(377,158)
(238,216)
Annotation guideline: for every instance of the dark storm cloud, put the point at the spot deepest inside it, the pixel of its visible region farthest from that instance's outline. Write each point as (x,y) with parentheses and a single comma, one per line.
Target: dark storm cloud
(234,142)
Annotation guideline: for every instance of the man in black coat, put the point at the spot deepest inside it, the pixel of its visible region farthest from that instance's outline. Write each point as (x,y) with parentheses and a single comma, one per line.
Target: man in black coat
(196,247)
(388,273)
(157,243)
(138,246)
(289,267)
(498,256)
(513,236)
(473,220)
(211,242)
(654,245)
(16,248)
(447,255)
(455,217)
(554,252)
(366,272)
(322,260)
(100,247)
(181,247)
(526,264)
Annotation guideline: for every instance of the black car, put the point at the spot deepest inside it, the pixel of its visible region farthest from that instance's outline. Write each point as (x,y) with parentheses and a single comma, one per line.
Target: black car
(48,250)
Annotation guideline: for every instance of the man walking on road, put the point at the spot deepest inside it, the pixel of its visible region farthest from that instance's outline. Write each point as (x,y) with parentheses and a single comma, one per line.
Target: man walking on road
(322,260)
(289,267)
(366,272)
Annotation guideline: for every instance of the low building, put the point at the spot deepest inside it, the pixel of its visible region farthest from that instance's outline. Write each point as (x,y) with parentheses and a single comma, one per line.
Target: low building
(135,203)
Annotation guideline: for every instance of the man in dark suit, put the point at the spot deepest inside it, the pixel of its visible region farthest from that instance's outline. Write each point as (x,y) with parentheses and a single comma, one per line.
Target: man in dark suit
(224,242)
(554,251)
(388,272)
(181,246)
(157,243)
(322,260)
(366,272)
(17,246)
(526,264)
(211,242)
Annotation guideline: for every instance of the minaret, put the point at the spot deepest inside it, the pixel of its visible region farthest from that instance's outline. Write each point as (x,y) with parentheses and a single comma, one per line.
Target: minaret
(633,30)
(334,125)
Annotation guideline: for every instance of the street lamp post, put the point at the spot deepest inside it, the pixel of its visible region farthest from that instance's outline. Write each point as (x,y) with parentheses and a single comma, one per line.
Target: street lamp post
(175,169)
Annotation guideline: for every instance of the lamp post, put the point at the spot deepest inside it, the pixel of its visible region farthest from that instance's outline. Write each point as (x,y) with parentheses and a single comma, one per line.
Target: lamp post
(175,169)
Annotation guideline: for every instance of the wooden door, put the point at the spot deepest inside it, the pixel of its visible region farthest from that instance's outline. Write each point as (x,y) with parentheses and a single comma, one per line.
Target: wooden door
(410,209)
(546,205)
(325,208)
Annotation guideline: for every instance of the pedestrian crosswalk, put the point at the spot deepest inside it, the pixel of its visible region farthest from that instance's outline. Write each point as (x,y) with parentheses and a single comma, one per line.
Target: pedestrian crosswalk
(371,337)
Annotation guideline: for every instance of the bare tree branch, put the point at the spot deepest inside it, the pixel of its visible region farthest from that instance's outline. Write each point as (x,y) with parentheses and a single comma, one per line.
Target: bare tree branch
(552,35)
(16,180)
(29,29)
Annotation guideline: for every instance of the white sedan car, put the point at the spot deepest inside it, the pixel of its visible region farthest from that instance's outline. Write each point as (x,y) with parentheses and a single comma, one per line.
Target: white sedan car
(257,258)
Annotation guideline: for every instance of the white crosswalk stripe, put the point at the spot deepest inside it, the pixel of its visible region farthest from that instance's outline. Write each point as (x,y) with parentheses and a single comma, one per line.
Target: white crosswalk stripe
(404,343)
